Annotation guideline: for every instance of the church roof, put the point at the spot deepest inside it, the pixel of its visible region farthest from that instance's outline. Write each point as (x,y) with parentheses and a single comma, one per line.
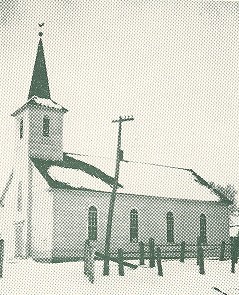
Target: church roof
(65,169)
(81,172)
(41,102)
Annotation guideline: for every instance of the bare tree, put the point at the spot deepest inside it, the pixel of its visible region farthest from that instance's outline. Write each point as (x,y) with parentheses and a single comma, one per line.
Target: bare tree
(227,195)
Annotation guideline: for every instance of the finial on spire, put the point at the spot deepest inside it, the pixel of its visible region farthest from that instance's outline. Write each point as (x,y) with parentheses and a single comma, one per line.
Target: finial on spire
(41,25)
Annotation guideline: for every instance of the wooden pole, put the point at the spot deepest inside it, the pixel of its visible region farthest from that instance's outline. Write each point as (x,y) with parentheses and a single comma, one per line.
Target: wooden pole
(233,256)
(141,253)
(231,245)
(85,257)
(198,245)
(236,248)
(151,253)
(182,251)
(159,262)
(201,261)
(113,195)
(120,262)
(1,257)
(222,251)
(125,263)
(91,263)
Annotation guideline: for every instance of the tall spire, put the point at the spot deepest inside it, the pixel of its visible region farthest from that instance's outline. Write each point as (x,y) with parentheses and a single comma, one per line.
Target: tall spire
(39,84)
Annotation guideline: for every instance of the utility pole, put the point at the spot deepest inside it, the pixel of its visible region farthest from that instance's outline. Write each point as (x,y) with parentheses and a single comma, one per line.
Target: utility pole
(119,157)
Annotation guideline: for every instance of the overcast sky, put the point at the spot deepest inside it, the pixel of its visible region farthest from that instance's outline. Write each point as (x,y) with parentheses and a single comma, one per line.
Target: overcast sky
(173,65)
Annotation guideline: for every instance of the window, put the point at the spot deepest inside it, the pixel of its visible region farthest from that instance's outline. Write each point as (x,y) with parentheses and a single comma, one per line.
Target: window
(92,223)
(133,226)
(203,230)
(19,197)
(21,128)
(170,227)
(46,126)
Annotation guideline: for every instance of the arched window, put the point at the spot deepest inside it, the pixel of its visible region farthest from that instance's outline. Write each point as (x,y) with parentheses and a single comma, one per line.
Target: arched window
(203,229)
(133,226)
(46,126)
(170,227)
(92,223)
(21,128)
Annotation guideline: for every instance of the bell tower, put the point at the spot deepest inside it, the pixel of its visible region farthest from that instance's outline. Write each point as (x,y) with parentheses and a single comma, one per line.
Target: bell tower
(39,134)
(39,122)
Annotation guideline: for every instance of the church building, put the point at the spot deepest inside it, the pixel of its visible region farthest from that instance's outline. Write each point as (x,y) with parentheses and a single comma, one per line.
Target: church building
(54,201)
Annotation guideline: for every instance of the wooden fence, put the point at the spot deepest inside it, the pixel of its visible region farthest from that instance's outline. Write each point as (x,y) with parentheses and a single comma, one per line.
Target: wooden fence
(155,254)
(181,251)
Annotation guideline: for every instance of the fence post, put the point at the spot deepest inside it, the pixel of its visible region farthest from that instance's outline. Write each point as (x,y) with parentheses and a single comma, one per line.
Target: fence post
(233,255)
(91,263)
(159,262)
(222,251)
(182,251)
(151,253)
(198,245)
(201,261)
(237,248)
(233,263)
(1,257)
(86,255)
(141,253)
(231,245)
(120,262)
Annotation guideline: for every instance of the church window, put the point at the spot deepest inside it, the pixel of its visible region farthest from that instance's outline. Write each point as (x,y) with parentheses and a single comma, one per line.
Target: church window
(170,227)
(203,229)
(133,226)
(19,197)
(46,126)
(92,223)
(21,128)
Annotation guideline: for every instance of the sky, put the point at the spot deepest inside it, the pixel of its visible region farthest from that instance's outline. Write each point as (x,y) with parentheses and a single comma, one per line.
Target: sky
(173,65)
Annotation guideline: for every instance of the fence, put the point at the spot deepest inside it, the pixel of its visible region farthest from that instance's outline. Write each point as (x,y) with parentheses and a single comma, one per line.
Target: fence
(177,250)
(156,253)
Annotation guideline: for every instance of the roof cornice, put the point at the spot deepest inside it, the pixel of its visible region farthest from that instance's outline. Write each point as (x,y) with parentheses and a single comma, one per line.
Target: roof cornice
(37,106)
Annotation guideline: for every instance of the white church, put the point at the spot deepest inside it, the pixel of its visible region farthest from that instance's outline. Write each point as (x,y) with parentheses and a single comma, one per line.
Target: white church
(54,201)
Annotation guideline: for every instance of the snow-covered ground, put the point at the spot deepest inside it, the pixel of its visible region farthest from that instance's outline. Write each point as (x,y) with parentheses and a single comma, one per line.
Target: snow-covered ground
(27,277)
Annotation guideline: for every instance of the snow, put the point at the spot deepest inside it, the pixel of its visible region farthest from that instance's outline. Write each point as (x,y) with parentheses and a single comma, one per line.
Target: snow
(234,221)
(234,226)
(234,231)
(79,179)
(27,277)
(137,178)
(46,102)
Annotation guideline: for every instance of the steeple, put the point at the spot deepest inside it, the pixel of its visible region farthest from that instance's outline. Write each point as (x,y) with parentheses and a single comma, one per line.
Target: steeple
(39,84)
(39,93)
(39,122)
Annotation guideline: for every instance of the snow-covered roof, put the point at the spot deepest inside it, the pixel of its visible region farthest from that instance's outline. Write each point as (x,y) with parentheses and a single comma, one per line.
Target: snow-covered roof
(96,173)
(43,102)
